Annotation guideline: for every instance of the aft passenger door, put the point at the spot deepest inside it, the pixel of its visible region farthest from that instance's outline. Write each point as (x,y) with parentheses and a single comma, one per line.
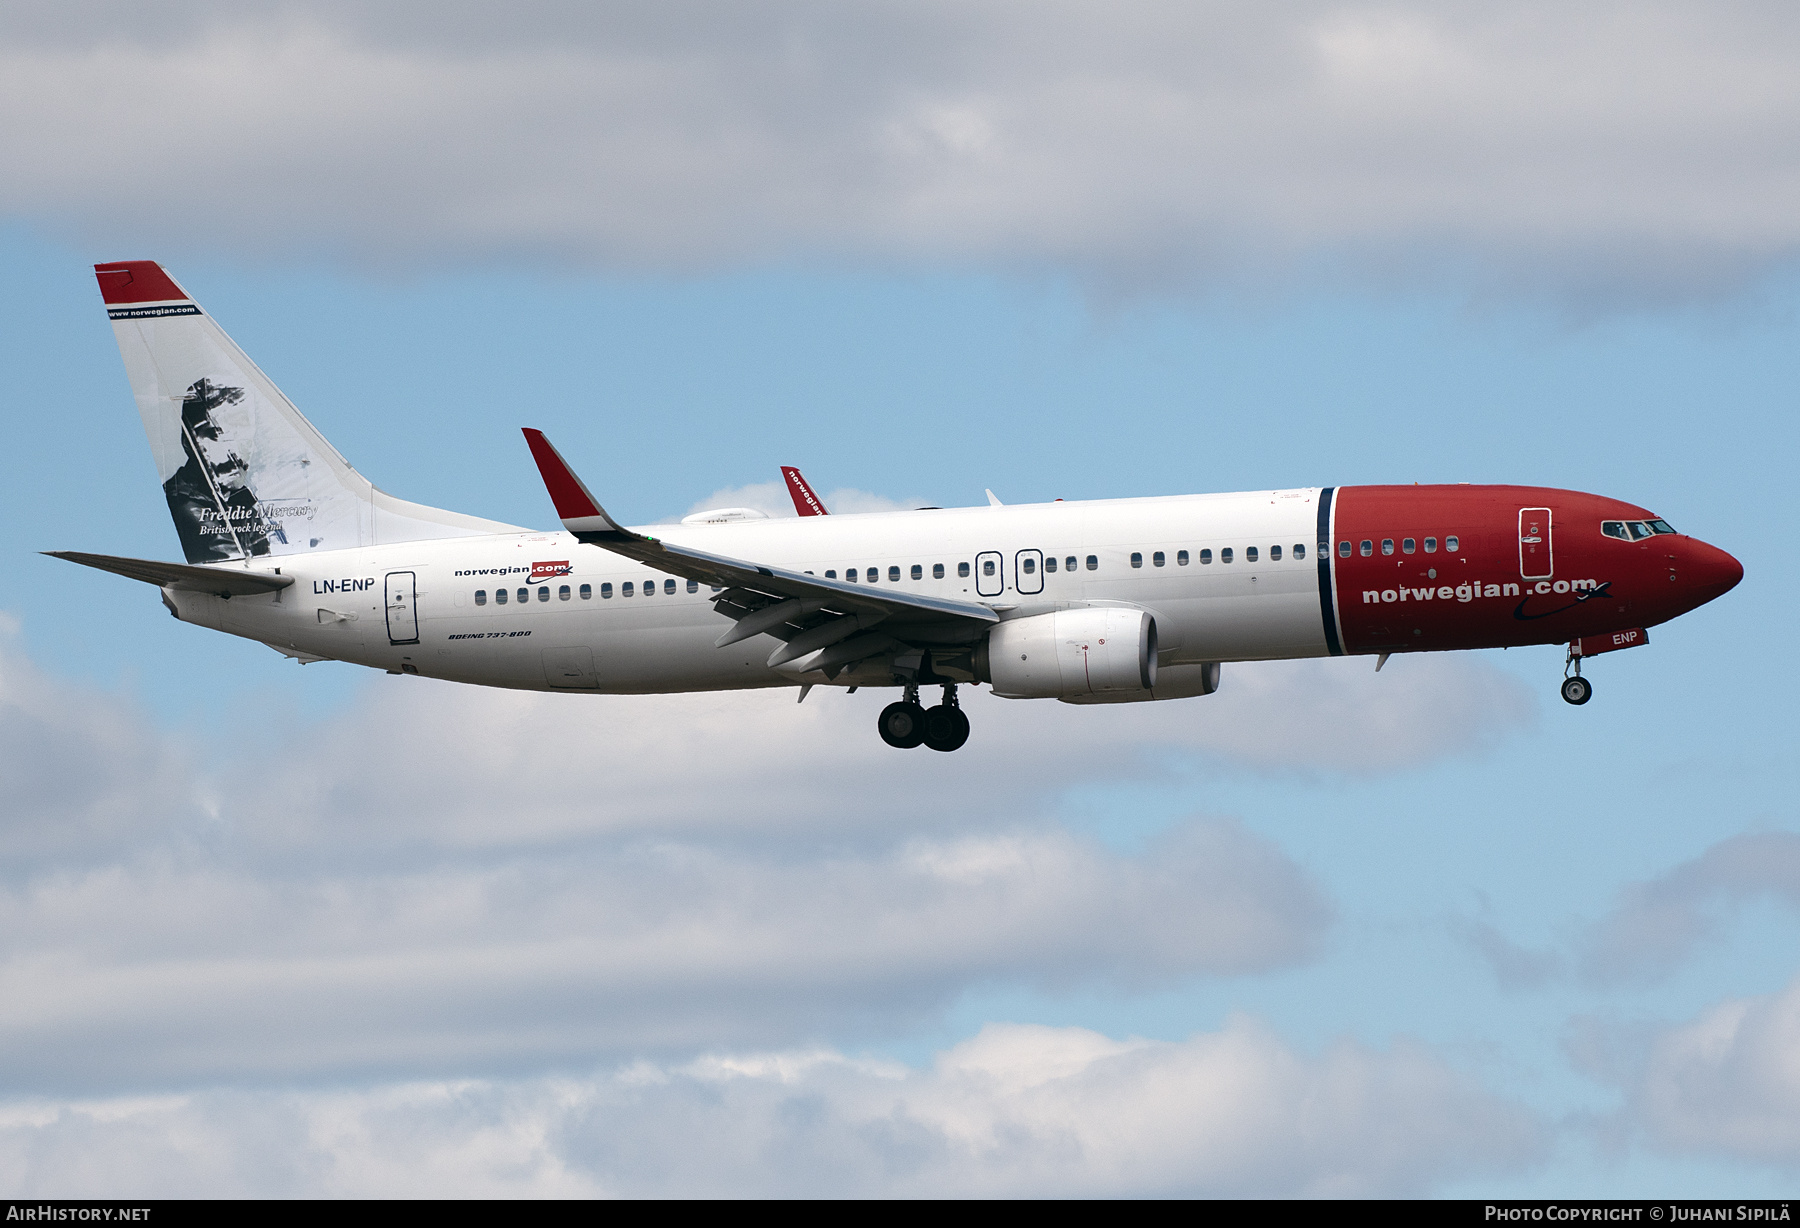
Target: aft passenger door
(990,573)
(402,611)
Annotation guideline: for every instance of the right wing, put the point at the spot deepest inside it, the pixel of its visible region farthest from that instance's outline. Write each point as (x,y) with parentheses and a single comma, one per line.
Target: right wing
(843,623)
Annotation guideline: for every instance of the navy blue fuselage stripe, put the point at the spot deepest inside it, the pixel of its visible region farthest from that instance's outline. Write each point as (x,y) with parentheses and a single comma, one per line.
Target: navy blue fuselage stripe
(1327,607)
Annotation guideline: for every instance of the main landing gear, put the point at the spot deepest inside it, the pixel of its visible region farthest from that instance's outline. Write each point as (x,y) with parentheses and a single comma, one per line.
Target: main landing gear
(906,724)
(1575,689)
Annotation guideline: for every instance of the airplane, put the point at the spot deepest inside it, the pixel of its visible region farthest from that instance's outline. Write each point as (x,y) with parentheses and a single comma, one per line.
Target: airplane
(1099,601)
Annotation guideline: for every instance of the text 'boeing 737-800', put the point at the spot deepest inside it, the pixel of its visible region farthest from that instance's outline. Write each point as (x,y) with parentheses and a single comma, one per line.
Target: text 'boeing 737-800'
(1104,601)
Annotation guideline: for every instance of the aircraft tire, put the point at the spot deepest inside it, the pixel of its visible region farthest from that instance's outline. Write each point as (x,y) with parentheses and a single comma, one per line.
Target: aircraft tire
(946,728)
(1577,690)
(902,725)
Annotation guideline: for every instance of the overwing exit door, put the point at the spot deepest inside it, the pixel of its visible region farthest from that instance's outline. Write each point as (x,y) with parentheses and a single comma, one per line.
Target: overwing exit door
(1028,571)
(402,612)
(1536,561)
(990,573)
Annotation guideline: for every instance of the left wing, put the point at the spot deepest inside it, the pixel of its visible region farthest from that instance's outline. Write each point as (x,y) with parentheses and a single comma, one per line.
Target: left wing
(843,623)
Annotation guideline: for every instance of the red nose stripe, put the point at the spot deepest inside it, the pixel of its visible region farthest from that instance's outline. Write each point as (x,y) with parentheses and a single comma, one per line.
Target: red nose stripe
(136,281)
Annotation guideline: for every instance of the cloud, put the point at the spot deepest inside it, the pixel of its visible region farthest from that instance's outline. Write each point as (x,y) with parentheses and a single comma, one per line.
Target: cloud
(1726,1083)
(443,879)
(1612,148)
(1659,923)
(1015,1109)
(772,499)
(446,879)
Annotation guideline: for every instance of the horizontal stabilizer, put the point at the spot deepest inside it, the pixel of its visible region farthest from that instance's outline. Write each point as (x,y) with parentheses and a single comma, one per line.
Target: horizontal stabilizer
(222,581)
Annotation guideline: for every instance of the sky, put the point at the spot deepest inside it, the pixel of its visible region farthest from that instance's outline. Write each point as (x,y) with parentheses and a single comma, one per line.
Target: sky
(280,930)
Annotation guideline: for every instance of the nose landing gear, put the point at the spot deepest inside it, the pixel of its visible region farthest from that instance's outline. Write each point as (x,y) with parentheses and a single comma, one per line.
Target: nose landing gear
(1575,689)
(906,724)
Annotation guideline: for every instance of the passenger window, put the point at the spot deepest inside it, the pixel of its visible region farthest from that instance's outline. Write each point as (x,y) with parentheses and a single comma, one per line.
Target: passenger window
(669,587)
(499,596)
(1137,560)
(918,572)
(524,594)
(694,585)
(962,569)
(1157,558)
(587,592)
(481,596)
(1069,563)
(1431,545)
(1250,554)
(1093,562)
(850,574)
(831,575)
(1450,544)
(1050,564)
(1030,566)
(1225,555)
(1181,558)
(562,594)
(625,589)
(1366,548)
(544,593)
(1409,546)
(649,588)
(1274,554)
(1299,550)
(987,567)
(894,574)
(606,591)
(937,571)
(1387,545)
(1205,558)
(1344,550)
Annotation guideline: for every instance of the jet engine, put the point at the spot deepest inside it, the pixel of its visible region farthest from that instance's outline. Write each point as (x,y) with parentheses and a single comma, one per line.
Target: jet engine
(1093,651)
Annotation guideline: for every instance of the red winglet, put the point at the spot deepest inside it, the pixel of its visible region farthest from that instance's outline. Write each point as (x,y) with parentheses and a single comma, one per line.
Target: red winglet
(805,502)
(137,281)
(572,499)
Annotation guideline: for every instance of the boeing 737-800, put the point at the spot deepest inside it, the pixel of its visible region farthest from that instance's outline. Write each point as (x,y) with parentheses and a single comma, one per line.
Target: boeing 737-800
(1103,601)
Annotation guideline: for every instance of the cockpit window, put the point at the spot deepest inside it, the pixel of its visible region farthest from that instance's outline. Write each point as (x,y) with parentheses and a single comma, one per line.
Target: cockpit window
(1614,528)
(1661,526)
(1639,530)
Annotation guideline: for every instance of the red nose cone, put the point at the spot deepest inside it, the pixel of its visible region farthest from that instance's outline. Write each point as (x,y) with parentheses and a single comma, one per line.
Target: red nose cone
(1710,572)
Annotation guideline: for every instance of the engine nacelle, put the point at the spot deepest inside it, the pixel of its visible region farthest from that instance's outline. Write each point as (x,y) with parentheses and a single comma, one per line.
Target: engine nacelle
(1071,653)
(1172,682)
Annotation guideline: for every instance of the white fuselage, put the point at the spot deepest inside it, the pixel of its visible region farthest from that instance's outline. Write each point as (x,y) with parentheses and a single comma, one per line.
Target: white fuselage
(414,607)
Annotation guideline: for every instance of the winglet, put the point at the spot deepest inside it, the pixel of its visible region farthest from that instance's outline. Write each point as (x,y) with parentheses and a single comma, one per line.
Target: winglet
(994,500)
(580,511)
(805,502)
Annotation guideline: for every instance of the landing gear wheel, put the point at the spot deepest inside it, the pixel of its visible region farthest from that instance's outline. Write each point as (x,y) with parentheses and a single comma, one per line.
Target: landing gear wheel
(946,728)
(902,725)
(1577,690)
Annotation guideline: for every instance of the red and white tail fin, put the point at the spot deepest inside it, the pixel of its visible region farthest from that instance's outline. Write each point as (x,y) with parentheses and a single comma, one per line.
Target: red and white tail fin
(805,502)
(244,472)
